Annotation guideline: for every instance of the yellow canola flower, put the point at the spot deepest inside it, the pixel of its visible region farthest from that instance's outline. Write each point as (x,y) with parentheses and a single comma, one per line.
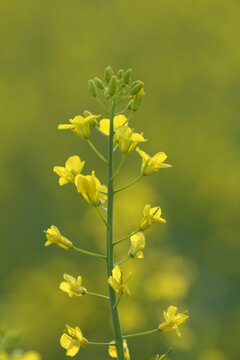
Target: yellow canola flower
(80,125)
(172,320)
(73,340)
(90,188)
(54,237)
(113,351)
(73,167)
(118,122)
(137,244)
(152,164)
(150,216)
(72,286)
(118,282)
(128,140)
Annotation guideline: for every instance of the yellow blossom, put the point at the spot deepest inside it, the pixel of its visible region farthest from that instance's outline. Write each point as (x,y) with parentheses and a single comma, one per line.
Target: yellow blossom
(127,140)
(152,164)
(172,320)
(73,340)
(80,125)
(118,282)
(54,237)
(118,122)
(151,215)
(137,244)
(91,189)
(113,351)
(72,286)
(73,167)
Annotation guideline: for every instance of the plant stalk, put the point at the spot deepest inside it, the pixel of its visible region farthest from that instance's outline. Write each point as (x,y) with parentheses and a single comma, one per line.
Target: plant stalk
(112,295)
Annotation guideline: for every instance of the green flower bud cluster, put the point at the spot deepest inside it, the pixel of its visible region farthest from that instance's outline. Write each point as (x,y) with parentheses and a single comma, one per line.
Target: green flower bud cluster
(118,85)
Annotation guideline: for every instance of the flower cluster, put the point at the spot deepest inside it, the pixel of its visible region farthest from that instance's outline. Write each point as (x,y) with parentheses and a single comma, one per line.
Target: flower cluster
(117,89)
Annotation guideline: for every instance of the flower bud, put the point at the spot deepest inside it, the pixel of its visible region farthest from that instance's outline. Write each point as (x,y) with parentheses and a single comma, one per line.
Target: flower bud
(136,88)
(108,74)
(120,74)
(92,88)
(127,76)
(112,86)
(99,83)
(137,100)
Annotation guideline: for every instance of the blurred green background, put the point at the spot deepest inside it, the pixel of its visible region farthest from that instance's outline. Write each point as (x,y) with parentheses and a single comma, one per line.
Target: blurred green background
(187,53)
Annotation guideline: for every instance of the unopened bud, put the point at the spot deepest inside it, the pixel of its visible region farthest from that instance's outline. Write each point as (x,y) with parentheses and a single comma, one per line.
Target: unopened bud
(92,88)
(99,83)
(120,74)
(108,74)
(112,86)
(137,100)
(136,88)
(127,76)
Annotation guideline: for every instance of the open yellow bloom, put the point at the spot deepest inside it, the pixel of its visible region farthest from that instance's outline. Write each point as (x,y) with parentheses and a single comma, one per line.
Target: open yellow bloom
(172,320)
(90,188)
(127,140)
(152,164)
(118,282)
(118,122)
(54,237)
(151,215)
(72,286)
(113,351)
(80,125)
(73,167)
(73,340)
(137,244)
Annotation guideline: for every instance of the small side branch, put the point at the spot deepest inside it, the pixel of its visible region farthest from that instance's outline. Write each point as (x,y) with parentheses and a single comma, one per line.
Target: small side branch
(100,344)
(123,260)
(125,237)
(88,253)
(130,184)
(97,295)
(119,167)
(97,152)
(149,332)
(102,217)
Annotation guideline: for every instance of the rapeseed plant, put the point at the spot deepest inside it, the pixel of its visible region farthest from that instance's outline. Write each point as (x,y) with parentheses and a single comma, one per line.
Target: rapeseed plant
(117,90)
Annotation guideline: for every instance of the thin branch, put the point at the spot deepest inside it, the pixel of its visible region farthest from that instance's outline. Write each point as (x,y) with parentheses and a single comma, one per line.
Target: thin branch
(125,237)
(131,183)
(149,332)
(102,217)
(88,253)
(123,260)
(97,152)
(97,295)
(120,165)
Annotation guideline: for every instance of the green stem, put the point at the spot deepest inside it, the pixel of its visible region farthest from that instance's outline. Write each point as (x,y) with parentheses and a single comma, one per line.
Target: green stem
(97,152)
(89,253)
(119,298)
(149,332)
(131,183)
(112,295)
(125,237)
(102,217)
(97,128)
(119,167)
(99,344)
(97,295)
(123,260)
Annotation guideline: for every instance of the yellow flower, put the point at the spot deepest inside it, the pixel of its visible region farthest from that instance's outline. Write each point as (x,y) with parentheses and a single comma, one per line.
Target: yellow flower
(90,188)
(73,340)
(118,122)
(80,125)
(72,286)
(113,351)
(117,281)
(152,164)
(172,320)
(54,237)
(31,355)
(151,215)
(73,167)
(127,140)
(138,243)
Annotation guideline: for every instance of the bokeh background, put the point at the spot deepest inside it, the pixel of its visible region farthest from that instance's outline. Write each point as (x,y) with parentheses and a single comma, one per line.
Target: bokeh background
(188,54)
